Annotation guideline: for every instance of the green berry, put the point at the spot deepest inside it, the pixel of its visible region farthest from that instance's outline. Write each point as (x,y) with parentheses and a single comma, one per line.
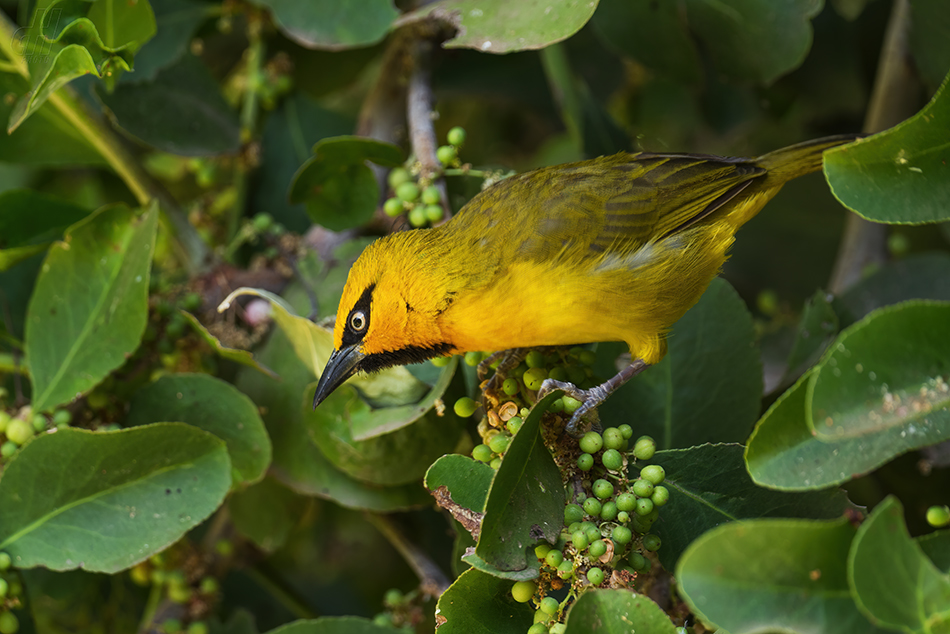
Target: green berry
(642,488)
(440,362)
(4,421)
(580,540)
(5,561)
(573,513)
(585,462)
(465,407)
(434,213)
(558,374)
(535,359)
(522,591)
(39,423)
(608,511)
(549,605)
(431,195)
(565,569)
(592,442)
(661,495)
(653,473)
(417,216)
(393,207)
(612,460)
(4,586)
(472,358)
(597,548)
(651,542)
(558,628)
(8,448)
(9,623)
(613,439)
(538,628)
(513,424)
(456,136)
(62,417)
(197,627)
(593,533)
(623,517)
(621,534)
(19,431)
(208,585)
(602,489)
(171,626)
(262,222)
(637,561)
(482,453)
(510,386)
(499,443)
(644,448)
(541,550)
(626,431)
(446,154)
(938,516)
(595,576)
(644,506)
(626,501)
(495,463)
(398,176)
(534,377)
(554,558)
(392,598)
(592,507)
(571,404)
(408,192)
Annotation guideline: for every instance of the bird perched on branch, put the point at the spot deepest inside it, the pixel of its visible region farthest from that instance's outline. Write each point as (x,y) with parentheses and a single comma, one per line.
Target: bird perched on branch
(616,248)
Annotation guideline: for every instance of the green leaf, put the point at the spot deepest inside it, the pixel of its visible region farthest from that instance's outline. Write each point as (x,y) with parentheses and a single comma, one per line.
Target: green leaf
(653,33)
(104,501)
(266,512)
(923,276)
(214,406)
(123,23)
(181,111)
(297,462)
(176,22)
(498,26)
(527,573)
(758,40)
(936,546)
(90,304)
(46,138)
(816,329)
(335,625)
(30,221)
(358,149)
(338,196)
(387,445)
(709,486)
(901,175)
(242,357)
(687,399)
(617,612)
(478,603)
(783,452)
(466,480)
(526,500)
(772,575)
(894,584)
(930,39)
(289,133)
(332,26)
(886,375)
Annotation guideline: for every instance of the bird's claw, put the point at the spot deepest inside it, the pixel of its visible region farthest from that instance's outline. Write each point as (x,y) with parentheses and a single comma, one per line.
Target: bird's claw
(588,398)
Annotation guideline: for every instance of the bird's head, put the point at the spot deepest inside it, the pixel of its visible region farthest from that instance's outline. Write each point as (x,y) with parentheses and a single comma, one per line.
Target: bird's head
(389,312)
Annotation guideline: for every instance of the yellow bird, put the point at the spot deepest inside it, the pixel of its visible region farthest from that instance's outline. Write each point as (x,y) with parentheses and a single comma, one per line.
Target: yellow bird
(611,249)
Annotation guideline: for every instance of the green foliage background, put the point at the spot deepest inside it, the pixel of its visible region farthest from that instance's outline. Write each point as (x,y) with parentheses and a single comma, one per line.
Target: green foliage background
(173,473)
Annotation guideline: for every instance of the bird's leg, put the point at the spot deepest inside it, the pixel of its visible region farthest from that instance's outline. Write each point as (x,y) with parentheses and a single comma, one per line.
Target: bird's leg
(594,396)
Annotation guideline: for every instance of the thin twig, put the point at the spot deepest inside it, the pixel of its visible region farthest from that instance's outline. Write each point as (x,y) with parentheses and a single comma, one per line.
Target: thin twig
(432,580)
(420,116)
(894,98)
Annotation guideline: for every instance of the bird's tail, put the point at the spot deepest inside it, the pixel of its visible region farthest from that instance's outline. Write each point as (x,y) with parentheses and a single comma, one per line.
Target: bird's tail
(802,158)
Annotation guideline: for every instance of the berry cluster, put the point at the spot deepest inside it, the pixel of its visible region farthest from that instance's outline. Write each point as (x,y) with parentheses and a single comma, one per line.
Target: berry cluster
(11,591)
(16,430)
(417,196)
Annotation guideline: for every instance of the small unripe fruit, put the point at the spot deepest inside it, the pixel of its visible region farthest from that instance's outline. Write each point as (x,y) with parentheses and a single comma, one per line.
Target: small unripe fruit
(580,540)
(608,511)
(393,207)
(597,548)
(431,195)
(626,431)
(621,535)
(5,561)
(653,473)
(482,453)
(585,462)
(456,136)
(602,489)
(446,154)
(566,569)
(644,448)
(644,506)
(592,507)
(534,377)
(465,407)
(595,576)
(522,591)
(19,431)
(651,542)
(417,216)
(408,192)
(549,605)
(570,403)
(612,459)
(592,442)
(398,176)
(554,558)
(9,624)
(613,439)
(626,501)
(510,386)
(573,513)
(513,424)
(499,443)
(661,495)
(642,488)
(938,516)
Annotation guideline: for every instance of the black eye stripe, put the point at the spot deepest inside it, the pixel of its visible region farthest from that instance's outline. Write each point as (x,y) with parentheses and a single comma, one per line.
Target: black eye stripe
(362,305)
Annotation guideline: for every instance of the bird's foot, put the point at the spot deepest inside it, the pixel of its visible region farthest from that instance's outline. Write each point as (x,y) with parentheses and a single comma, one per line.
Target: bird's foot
(589,399)
(507,360)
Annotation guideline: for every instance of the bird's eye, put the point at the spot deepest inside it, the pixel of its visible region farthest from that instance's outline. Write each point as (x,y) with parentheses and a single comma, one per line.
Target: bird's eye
(358,321)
